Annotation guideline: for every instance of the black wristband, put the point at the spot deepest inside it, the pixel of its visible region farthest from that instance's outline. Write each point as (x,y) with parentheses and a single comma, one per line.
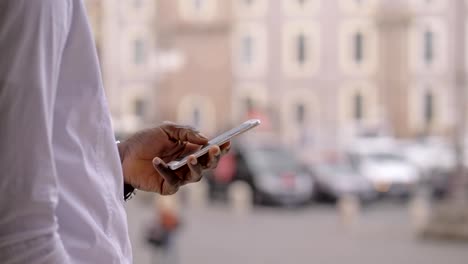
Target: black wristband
(129,192)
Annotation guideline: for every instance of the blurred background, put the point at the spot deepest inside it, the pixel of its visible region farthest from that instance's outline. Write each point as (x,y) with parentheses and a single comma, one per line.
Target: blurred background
(360,156)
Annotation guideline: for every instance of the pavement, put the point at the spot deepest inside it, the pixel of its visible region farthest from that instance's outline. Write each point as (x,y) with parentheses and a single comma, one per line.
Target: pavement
(381,233)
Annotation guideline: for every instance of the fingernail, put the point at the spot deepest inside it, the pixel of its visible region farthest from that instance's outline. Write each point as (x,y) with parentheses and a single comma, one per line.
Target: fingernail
(218,151)
(156,161)
(194,161)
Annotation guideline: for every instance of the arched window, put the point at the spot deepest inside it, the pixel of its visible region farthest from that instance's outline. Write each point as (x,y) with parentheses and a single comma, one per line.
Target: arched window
(140,107)
(197,4)
(247,49)
(301,49)
(137,3)
(358,47)
(139,52)
(196,118)
(300,113)
(358,107)
(249,105)
(428,46)
(428,108)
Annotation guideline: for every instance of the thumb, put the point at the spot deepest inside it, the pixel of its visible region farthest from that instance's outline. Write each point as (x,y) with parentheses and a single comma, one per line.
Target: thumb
(184,133)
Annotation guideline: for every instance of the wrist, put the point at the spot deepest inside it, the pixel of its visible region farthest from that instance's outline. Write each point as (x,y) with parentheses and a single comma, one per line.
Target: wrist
(129,190)
(122,149)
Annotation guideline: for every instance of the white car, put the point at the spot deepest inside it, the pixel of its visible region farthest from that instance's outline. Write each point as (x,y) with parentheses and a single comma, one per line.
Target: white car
(389,173)
(429,155)
(379,160)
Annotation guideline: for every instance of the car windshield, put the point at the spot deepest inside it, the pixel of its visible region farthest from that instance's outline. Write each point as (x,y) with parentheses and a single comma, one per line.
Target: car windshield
(340,170)
(272,160)
(385,157)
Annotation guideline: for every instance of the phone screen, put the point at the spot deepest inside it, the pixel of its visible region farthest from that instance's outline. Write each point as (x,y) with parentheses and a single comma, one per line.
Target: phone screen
(219,140)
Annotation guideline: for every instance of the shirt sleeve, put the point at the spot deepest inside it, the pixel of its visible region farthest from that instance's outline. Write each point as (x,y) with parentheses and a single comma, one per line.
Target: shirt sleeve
(32,37)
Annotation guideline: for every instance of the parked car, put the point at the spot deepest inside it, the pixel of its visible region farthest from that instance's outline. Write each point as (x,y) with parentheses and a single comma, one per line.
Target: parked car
(334,180)
(436,160)
(389,172)
(381,162)
(274,174)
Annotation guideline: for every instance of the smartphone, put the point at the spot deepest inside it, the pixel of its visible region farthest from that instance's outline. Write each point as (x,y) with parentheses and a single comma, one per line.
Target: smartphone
(219,140)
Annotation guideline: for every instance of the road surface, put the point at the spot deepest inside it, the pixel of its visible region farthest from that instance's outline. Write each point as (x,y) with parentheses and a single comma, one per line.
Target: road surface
(314,234)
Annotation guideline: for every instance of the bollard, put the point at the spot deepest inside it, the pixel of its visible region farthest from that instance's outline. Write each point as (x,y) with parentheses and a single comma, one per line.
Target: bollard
(240,198)
(349,209)
(198,194)
(419,210)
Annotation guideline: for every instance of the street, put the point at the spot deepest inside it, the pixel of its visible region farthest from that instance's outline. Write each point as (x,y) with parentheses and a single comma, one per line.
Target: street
(313,234)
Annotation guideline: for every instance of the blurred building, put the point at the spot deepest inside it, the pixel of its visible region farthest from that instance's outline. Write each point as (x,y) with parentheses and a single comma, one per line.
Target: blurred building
(194,39)
(320,72)
(337,69)
(125,40)
(417,66)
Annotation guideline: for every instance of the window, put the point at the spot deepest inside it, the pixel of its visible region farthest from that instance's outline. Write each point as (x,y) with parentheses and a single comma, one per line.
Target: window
(363,7)
(197,4)
(302,8)
(428,108)
(139,52)
(137,3)
(249,105)
(196,118)
(358,47)
(428,46)
(197,10)
(358,107)
(247,49)
(139,107)
(300,114)
(301,49)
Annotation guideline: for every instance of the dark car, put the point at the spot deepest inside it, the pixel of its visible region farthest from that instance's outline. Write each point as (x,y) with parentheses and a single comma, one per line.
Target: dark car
(274,175)
(334,180)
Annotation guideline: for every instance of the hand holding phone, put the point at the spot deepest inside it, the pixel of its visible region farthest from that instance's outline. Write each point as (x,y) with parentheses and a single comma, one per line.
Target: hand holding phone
(219,140)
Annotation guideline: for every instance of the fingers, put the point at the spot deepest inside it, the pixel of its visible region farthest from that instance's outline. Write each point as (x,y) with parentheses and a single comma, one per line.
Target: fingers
(214,154)
(196,170)
(225,147)
(173,182)
(183,133)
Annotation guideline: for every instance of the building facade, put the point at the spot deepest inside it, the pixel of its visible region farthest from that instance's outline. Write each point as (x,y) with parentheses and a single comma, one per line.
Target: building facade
(197,90)
(321,72)
(125,40)
(337,69)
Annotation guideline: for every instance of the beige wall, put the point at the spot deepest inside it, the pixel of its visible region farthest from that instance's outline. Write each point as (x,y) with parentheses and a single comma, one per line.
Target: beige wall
(392,77)
(117,26)
(202,85)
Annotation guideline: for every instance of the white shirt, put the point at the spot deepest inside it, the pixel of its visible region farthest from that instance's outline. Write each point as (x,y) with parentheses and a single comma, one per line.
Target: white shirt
(61,181)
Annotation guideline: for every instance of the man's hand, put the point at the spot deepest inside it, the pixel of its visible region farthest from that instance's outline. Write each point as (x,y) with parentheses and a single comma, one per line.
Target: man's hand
(144,157)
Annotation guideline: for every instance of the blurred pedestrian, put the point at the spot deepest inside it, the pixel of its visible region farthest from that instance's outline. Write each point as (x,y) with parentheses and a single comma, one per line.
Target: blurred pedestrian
(164,229)
(64,179)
